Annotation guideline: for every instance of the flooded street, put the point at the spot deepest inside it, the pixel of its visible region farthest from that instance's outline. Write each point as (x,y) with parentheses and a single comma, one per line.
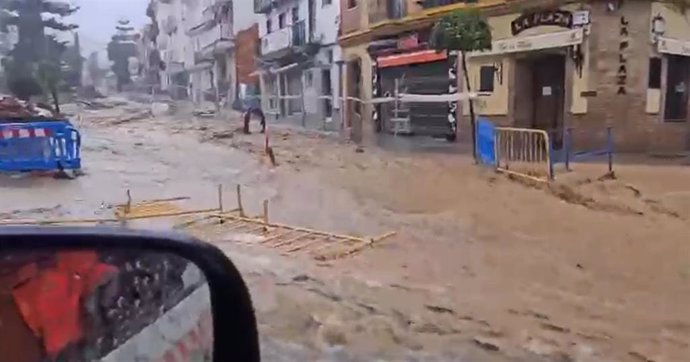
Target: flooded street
(482,267)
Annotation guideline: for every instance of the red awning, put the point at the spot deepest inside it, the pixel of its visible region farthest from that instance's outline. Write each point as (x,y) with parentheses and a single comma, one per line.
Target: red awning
(423,56)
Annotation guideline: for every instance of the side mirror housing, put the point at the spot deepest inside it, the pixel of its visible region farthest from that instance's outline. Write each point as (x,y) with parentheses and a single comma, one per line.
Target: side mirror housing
(130,286)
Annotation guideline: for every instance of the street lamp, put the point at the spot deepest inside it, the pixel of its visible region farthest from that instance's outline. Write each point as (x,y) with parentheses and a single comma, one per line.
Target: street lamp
(658,27)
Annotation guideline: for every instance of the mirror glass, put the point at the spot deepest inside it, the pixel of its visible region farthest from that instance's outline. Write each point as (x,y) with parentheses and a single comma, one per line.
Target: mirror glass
(103,305)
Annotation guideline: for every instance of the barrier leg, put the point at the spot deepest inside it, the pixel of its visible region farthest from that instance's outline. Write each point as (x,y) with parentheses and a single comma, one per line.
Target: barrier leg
(609,147)
(549,157)
(568,147)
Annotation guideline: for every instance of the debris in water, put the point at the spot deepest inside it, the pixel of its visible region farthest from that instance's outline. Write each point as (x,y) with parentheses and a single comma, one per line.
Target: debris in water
(487,343)
(439,309)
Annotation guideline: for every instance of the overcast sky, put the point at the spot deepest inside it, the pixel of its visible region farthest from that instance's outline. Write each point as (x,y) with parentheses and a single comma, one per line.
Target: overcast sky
(97,20)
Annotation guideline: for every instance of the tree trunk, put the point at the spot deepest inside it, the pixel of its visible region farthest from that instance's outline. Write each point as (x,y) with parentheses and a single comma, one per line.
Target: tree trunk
(471,103)
(56,101)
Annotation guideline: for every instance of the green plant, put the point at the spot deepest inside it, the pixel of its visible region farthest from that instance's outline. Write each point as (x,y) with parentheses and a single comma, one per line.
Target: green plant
(463,30)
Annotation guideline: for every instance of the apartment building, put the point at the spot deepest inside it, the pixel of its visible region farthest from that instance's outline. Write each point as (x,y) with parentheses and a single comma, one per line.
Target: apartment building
(552,66)
(299,57)
(196,42)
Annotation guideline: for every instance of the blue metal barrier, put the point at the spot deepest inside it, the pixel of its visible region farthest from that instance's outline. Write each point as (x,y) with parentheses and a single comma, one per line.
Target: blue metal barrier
(486,142)
(570,155)
(39,146)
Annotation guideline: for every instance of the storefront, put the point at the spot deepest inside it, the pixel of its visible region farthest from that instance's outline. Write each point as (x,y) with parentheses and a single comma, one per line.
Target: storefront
(405,64)
(586,67)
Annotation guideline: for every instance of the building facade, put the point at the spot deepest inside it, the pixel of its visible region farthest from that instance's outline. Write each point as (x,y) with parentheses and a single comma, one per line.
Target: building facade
(298,61)
(584,66)
(213,44)
(173,44)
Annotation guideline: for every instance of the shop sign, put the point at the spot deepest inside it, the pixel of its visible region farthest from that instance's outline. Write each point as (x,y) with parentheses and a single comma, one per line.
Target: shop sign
(536,42)
(410,41)
(581,18)
(622,73)
(673,46)
(560,18)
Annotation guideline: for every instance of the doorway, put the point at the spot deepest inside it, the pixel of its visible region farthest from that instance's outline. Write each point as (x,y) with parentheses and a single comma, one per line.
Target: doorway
(548,91)
(676,103)
(540,94)
(327,90)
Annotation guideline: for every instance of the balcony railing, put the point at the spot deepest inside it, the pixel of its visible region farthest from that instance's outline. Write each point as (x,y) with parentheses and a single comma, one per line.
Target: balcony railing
(427,4)
(380,10)
(295,35)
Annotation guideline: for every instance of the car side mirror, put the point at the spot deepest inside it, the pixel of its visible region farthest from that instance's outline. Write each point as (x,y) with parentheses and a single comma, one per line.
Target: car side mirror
(85,294)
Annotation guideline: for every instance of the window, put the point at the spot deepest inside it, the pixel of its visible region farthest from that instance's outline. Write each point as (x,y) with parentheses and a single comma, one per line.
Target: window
(281,21)
(654,73)
(351,4)
(486,78)
(326,2)
(329,56)
(269,26)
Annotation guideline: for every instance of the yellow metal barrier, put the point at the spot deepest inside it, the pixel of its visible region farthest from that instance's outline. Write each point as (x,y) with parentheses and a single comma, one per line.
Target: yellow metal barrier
(524,152)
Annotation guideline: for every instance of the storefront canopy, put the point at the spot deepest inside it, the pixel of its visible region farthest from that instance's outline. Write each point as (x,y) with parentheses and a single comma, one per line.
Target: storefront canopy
(424,56)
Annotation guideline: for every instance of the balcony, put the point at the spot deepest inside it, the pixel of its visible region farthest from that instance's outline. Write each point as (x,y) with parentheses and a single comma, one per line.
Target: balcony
(284,39)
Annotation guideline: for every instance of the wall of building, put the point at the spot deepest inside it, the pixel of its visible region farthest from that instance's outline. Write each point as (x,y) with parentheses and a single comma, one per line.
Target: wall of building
(353,18)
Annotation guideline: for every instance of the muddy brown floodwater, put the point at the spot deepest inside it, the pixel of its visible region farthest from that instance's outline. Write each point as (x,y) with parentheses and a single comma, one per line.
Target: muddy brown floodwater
(483,268)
